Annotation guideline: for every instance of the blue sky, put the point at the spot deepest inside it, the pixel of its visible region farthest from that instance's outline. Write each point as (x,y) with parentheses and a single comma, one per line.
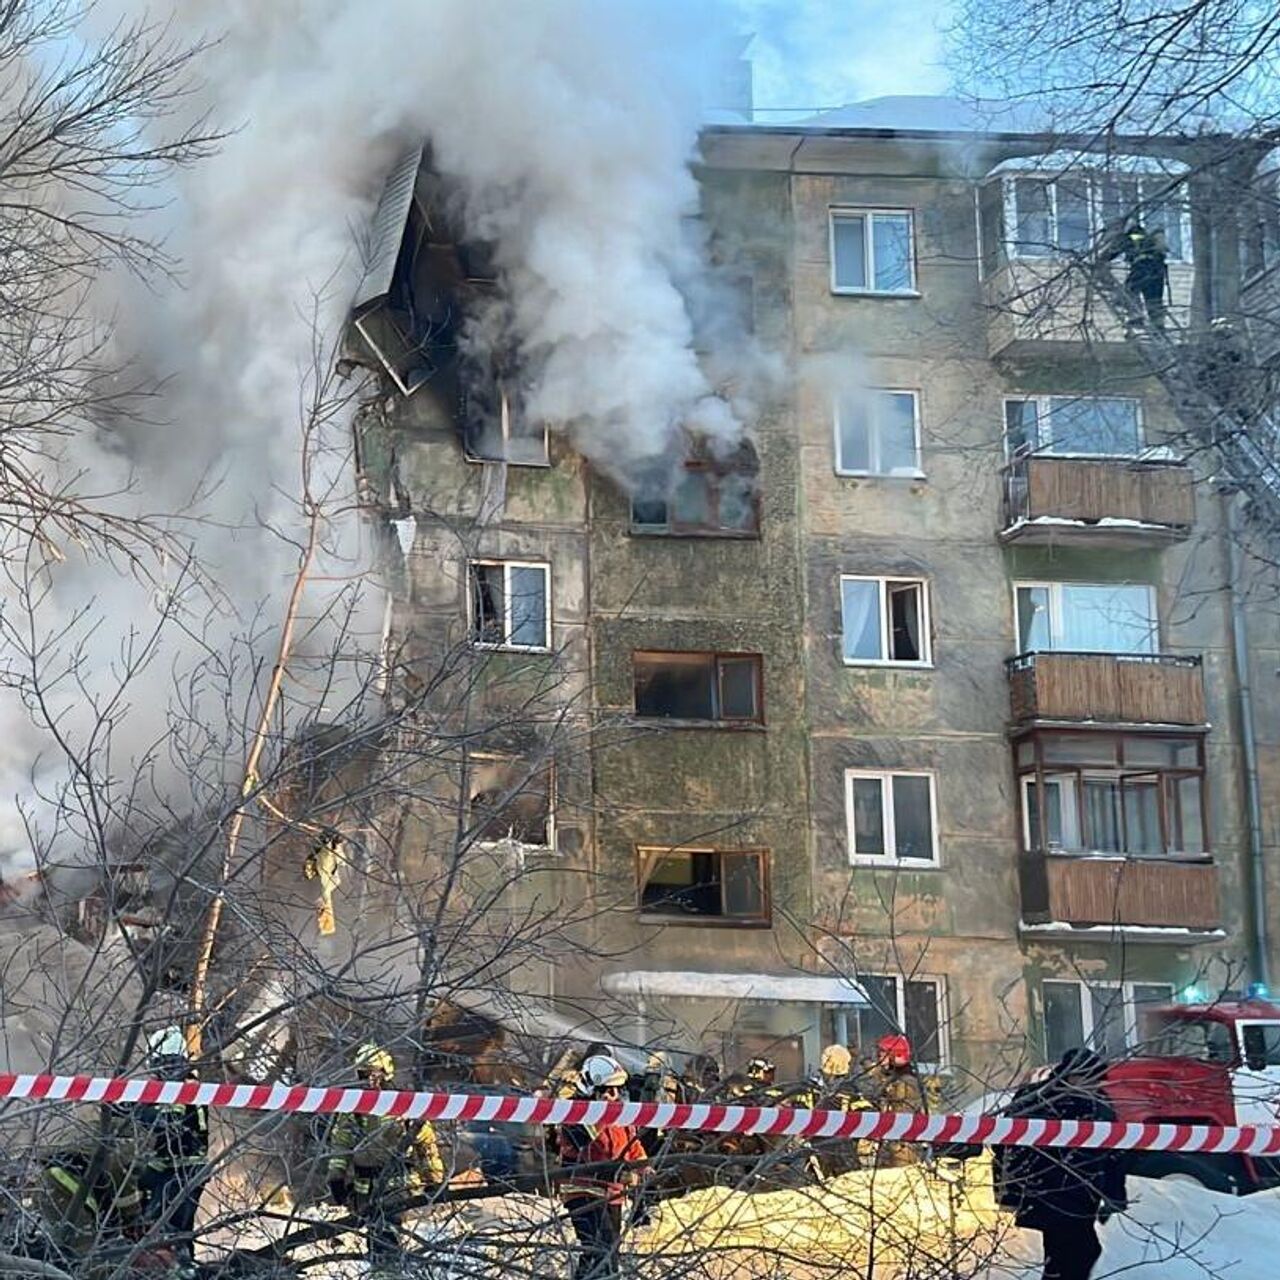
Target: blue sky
(822,53)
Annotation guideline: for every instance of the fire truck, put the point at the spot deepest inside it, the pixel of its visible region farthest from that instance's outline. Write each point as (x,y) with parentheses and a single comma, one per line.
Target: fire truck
(1216,1064)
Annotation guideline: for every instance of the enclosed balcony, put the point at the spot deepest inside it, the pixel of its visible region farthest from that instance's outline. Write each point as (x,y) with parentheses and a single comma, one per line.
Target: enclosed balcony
(1107,688)
(1099,501)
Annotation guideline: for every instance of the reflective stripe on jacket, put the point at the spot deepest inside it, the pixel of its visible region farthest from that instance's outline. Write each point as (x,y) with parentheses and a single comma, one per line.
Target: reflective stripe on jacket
(612,1148)
(385,1150)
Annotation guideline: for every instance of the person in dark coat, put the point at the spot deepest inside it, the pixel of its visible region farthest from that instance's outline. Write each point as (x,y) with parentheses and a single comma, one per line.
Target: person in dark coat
(1146,256)
(1064,1193)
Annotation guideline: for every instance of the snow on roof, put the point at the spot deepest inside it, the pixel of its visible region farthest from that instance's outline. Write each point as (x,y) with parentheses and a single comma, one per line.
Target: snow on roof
(734,986)
(923,113)
(1066,161)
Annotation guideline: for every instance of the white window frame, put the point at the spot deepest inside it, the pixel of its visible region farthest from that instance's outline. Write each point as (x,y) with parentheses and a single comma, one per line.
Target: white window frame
(867,213)
(1130,1007)
(1055,610)
(875,472)
(1092,180)
(507,565)
(1066,782)
(941,1003)
(495,757)
(1044,420)
(926,639)
(890,857)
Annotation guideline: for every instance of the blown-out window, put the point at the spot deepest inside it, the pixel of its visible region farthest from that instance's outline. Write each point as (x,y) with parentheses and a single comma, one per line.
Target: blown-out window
(715,687)
(696,886)
(510,604)
(510,799)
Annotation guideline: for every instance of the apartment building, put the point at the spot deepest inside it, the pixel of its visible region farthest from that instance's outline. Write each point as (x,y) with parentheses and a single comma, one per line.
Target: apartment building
(924,709)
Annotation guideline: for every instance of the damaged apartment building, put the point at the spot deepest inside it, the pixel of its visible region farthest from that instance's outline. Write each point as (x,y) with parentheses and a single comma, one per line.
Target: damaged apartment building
(948,703)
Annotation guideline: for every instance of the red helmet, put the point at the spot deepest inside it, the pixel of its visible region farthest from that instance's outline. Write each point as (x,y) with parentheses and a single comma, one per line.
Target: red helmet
(895,1050)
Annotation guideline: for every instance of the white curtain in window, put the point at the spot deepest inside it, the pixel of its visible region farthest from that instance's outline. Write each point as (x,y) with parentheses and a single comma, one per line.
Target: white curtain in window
(860,616)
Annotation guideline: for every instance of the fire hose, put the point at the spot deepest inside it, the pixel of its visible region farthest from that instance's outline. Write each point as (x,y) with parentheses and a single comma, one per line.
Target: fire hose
(895,1126)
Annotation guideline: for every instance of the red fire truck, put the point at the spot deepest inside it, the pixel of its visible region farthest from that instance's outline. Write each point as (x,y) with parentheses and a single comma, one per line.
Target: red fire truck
(1204,1064)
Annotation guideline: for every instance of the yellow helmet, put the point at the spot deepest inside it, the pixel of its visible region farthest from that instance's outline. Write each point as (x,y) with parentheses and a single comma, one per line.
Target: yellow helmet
(836,1060)
(373,1057)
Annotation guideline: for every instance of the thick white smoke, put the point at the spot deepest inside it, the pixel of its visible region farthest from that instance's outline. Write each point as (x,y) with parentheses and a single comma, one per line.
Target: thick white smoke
(568,127)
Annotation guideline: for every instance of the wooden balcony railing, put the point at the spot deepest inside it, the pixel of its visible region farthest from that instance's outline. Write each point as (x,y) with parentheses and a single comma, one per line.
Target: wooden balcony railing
(1107,687)
(1117,500)
(1145,892)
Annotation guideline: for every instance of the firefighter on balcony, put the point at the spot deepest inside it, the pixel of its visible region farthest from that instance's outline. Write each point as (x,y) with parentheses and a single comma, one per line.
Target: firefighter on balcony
(176,1138)
(600,1162)
(376,1161)
(1146,256)
(323,865)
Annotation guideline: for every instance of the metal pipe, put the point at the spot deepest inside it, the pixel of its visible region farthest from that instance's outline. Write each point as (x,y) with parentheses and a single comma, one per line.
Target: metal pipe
(1259,944)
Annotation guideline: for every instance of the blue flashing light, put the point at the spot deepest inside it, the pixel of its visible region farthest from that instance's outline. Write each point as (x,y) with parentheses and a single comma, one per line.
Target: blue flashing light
(1258,991)
(1191,995)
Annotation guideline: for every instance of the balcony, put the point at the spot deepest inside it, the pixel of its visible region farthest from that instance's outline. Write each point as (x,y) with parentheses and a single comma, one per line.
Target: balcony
(1048,306)
(1107,688)
(1062,892)
(1102,502)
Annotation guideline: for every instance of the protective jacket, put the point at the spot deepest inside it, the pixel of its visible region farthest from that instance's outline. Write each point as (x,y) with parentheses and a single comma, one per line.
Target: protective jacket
(381,1155)
(177,1135)
(611,1147)
(114,1204)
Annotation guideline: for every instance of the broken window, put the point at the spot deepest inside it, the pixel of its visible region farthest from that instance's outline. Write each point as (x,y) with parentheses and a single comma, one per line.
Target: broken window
(702,884)
(878,433)
(495,426)
(707,497)
(510,605)
(698,686)
(890,817)
(511,799)
(884,621)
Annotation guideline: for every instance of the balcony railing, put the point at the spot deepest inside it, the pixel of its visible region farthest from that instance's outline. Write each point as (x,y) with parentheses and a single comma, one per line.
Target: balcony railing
(1138,892)
(1107,687)
(1116,500)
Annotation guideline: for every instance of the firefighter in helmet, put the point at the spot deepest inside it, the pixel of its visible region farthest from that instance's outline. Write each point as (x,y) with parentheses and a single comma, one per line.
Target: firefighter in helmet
(176,1141)
(600,1163)
(376,1161)
(833,1089)
(1146,255)
(893,1084)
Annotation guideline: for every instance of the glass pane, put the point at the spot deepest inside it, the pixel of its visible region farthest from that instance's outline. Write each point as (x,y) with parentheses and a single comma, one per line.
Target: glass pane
(1063,1018)
(1020,425)
(1033,230)
(905,640)
(488,603)
(1110,1037)
(896,428)
(528,607)
(738,686)
(1147,997)
(676,686)
(743,892)
(1053,814)
(1094,425)
(1142,816)
(691,501)
(868,816)
(1033,619)
(1075,230)
(922,1029)
(881,1017)
(1080,748)
(860,614)
(1163,753)
(1102,814)
(912,817)
(1165,215)
(737,503)
(849,238)
(891,251)
(1107,619)
(1186,822)
(855,433)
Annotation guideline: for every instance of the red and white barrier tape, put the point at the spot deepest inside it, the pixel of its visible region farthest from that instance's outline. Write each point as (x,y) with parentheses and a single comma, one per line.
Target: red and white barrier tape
(1254,1140)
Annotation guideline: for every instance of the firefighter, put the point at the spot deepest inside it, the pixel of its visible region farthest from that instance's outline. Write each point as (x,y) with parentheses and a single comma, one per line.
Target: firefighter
(1064,1193)
(176,1141)
(833,1089)
(600,1162)
(702,1075)
(1146,256)
(893,1084)
(376,1161)
(323,865)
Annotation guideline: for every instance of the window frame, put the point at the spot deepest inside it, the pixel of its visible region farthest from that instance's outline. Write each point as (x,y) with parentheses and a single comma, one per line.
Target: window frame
(676,529)
(924,663)
(717,656)
(764,920)
(1132,1038)
(1092,180)
(941,1007)
(886,779)
(510,404)
(506,645)
(501,758)
(874,449)
(867,213)
(1044,417)
(1055,615)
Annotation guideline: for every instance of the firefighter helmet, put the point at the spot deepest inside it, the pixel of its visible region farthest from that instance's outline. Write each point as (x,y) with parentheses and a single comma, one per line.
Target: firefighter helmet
(894,1050)
(167,1052)
(761,1069)
(600,1071)
(372,1057)
(836,1060)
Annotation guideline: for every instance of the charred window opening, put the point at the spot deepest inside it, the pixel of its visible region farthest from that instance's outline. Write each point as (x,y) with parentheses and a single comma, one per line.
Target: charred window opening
(511,799)
(707,496)
(712,687)
(705,885)
(510,604)
(496,426)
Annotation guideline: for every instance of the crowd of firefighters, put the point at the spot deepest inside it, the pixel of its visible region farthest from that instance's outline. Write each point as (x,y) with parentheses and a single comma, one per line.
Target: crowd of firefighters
(141,1179)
